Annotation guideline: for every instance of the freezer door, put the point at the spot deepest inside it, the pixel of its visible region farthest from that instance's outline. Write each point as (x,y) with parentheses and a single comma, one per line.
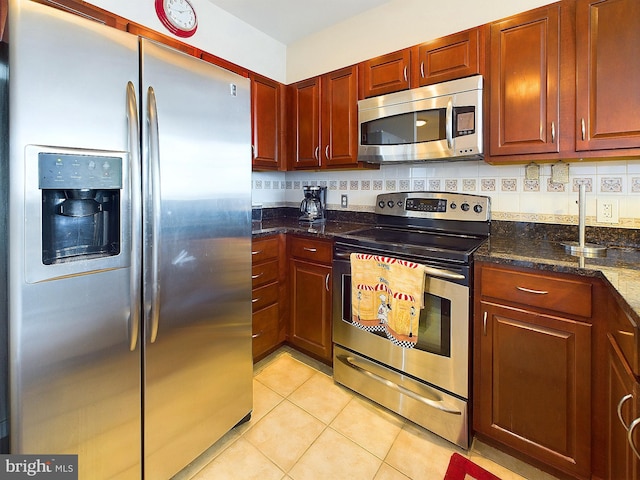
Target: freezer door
(196,166)
(75,382)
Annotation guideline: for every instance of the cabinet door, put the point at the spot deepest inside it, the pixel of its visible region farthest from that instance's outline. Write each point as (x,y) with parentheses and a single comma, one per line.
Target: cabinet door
(524,106)
(311,307)
(340,118)
(265,122)
(532,385)
(386,74)
(608,74)
(448,58)
(305,98)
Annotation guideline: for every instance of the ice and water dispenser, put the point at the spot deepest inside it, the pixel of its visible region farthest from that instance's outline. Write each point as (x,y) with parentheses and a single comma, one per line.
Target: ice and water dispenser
(76,212)
(80,206)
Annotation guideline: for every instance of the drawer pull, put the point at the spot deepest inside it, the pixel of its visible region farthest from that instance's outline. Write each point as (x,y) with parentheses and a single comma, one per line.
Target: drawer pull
(528,290)
(256,252)
(312,250)
(254,300)
(256,335)
(258,275)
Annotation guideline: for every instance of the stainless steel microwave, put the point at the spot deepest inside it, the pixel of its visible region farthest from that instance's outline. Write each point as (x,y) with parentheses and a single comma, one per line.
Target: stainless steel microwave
(436,122)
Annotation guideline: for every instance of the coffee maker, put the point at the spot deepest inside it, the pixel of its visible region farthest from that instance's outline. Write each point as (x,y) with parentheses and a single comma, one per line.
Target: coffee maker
(312,207)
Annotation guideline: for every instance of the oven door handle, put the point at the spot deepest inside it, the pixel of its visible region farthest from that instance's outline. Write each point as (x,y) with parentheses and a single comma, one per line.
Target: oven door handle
(430,271)
(440,272)
(349,361)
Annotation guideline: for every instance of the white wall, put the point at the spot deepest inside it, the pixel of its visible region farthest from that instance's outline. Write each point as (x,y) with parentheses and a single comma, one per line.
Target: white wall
(395,25)
(218,33)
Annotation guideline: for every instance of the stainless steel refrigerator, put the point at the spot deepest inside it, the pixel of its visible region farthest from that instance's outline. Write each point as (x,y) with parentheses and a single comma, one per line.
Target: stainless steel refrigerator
(129,247)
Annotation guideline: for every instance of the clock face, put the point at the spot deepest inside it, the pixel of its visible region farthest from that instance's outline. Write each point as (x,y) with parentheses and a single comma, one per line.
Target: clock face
(178,16)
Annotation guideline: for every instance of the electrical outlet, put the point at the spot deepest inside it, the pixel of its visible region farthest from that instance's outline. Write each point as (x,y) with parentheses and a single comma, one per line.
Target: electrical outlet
(344,201)
(607,211)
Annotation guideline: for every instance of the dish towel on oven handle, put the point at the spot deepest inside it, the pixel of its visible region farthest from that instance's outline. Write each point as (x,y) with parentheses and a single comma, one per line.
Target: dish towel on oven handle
(387,295)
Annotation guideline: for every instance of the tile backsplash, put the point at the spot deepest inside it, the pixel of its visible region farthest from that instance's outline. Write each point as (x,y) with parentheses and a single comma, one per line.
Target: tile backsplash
(514,195)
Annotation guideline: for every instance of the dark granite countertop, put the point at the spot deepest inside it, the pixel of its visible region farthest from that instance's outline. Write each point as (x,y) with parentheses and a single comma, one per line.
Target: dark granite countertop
(620,267)
(518,244)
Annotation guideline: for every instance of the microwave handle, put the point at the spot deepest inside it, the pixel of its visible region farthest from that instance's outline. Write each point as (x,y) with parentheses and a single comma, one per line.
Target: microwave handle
(449,124)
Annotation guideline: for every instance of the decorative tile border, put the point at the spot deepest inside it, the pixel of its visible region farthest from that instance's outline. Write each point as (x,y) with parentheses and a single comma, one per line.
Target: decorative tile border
(531,185)
(611,184)
(582,181)
(509,185)
(488,184)
(469,185)
(434,185)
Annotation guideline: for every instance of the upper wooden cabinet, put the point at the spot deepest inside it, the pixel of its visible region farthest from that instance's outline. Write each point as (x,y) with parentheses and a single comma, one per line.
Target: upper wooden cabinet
(524,113)
(385,74)
(607,74)
(266,123)
(324,121)
(447,58)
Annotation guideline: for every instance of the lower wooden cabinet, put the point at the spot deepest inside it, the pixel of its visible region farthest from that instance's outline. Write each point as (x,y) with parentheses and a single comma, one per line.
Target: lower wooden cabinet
(532,368)
(310,295)
(267,272)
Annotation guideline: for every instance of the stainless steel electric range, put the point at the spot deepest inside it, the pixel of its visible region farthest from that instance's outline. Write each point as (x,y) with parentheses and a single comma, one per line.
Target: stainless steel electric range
(425,379)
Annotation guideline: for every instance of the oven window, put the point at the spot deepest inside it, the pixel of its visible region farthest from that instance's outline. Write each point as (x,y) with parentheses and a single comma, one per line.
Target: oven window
(434,324)
(406,128)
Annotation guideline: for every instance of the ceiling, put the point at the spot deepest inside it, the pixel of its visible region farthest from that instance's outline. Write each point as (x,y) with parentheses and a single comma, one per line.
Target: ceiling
(290,20)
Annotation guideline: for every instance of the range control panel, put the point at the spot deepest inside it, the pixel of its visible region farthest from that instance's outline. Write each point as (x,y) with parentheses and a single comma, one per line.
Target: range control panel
(438,205)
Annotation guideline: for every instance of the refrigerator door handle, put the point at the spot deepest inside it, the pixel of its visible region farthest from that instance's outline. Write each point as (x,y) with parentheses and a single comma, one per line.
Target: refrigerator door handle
(136,207)
(155,211)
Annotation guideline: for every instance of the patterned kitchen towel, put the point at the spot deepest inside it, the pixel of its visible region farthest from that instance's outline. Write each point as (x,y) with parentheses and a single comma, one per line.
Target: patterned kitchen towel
(387,296)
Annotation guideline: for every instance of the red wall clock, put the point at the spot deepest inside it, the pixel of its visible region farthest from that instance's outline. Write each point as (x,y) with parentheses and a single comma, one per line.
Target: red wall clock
(178,16)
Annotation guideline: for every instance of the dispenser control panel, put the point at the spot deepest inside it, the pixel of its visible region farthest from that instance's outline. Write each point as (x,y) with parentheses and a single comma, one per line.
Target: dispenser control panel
(71,171)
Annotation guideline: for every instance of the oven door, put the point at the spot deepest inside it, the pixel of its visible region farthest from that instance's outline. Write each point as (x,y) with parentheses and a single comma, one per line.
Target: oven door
(440,357)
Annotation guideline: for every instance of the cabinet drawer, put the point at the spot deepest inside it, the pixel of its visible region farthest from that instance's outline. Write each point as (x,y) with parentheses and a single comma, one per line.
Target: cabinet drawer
(265,329)
(263,296)
(543,291)
(311,249)
(264,249)
(264,273)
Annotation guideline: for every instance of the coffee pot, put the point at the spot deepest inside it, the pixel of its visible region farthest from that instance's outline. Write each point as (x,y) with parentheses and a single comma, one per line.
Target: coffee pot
(312,207)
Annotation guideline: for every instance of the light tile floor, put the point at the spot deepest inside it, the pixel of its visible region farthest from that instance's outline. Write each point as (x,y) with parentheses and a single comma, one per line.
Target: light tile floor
(306,427)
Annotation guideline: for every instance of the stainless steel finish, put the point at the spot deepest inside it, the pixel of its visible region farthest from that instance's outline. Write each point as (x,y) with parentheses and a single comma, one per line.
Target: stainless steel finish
(316,152)
(439,404)
(395,204)
(326,282)
(529,290)
(76,385)
(553,132)
(404,73)
(136,212)
(581,247)
(308,249)
(326,152)
(622,401)
(153,194)
(200,364)
(422,69)
(583,129)
(448,373)
(461,92)
(442,273)
(632,428)
(443,414)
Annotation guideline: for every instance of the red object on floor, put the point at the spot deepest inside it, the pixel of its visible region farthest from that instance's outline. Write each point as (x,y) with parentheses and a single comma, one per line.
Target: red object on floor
(461,468)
